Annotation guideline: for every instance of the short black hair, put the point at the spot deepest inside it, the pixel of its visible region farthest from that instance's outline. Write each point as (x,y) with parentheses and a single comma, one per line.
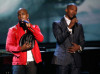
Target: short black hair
(69,4)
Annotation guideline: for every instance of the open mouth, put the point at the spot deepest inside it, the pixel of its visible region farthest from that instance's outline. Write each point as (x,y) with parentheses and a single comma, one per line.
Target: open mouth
(21,21)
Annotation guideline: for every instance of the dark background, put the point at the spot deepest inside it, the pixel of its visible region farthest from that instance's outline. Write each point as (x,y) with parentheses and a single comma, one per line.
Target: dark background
(43,13)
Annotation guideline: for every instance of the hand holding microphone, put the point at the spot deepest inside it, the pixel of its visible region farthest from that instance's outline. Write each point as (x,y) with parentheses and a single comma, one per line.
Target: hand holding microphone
(27,23)
(73,22)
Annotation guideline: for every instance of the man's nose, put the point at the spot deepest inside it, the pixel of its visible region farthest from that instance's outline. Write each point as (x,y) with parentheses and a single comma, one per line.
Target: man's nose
(74,13)
(21,16)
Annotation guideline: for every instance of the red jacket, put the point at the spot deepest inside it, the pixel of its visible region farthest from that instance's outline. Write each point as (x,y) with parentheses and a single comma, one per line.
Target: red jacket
(12,44)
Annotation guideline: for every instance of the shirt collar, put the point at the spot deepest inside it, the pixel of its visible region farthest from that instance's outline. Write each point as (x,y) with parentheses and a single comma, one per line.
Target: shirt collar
(67,20)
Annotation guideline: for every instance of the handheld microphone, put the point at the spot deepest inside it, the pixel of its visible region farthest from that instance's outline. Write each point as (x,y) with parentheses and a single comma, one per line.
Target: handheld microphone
(25,21)
(76,22)
(23,24)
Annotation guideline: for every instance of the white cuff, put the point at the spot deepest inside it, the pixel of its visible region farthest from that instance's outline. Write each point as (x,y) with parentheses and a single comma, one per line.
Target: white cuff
(80,49)
(70,30)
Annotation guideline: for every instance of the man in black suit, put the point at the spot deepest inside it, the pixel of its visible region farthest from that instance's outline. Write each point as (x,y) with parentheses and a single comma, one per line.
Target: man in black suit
(70,42)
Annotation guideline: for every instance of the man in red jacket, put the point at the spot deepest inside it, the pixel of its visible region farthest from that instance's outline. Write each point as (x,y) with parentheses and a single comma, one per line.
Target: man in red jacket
(22,43)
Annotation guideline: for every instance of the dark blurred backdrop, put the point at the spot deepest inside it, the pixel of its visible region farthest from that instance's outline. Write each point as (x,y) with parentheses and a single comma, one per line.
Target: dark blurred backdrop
(43,13)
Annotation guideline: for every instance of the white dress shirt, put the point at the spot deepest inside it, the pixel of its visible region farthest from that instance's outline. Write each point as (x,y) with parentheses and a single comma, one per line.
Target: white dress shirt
(29,56)
(68,22)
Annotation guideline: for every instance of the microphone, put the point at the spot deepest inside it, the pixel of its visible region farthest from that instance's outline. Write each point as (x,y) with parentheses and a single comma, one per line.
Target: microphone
(25,21)
(22,24)
(76,18)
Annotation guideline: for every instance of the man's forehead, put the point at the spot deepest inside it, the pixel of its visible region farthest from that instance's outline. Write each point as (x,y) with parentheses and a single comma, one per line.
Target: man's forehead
(22,10)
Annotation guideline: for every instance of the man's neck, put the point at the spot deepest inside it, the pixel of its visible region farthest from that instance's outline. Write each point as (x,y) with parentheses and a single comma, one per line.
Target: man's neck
(67,17)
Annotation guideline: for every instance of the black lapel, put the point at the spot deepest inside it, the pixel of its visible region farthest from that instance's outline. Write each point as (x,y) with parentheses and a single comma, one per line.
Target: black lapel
(65,25)
(64,22)
(75,32)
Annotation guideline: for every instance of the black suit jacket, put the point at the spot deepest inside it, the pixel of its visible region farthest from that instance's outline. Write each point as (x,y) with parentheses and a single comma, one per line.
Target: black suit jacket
(64,40)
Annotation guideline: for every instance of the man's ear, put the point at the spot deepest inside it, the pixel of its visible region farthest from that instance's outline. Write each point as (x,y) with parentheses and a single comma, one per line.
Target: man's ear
(27,16)
(65,10)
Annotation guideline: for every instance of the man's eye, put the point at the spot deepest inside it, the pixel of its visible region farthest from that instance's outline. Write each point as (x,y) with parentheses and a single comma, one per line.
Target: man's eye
(72,9)
(23,14)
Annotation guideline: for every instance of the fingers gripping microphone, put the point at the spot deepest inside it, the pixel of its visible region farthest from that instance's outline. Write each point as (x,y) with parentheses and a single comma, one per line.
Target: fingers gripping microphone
(23,24)
(27,22)
(76,22)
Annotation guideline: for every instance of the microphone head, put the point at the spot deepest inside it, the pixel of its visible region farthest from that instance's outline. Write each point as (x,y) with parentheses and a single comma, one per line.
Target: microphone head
(25,21)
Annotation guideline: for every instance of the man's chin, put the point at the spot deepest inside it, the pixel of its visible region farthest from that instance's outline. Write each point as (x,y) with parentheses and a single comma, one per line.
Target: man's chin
(21,22)
(71,17)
